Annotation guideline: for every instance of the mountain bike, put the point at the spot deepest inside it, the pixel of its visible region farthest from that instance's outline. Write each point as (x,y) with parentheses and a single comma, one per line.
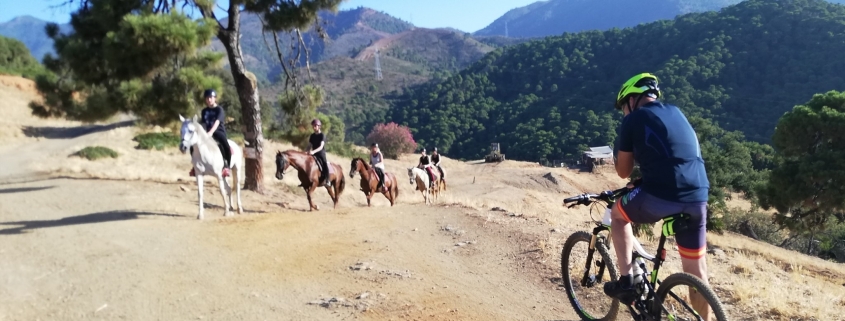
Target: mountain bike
(657,299)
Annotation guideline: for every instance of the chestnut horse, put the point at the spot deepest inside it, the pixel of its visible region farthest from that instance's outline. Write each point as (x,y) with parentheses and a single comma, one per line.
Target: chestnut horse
(369,180)
(309,174)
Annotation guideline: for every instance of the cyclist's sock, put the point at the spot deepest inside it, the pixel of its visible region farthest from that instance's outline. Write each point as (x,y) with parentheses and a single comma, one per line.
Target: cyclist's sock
(626,281)
(621,289)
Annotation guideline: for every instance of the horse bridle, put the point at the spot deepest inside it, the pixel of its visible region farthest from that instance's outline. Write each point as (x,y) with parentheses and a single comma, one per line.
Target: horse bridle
(285,160)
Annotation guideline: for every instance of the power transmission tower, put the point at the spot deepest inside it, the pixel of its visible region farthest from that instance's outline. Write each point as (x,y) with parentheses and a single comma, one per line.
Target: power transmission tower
(506,28)
(378,67)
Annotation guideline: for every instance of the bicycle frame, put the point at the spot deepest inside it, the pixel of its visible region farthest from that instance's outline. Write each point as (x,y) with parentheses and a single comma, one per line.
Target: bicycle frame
(643,305)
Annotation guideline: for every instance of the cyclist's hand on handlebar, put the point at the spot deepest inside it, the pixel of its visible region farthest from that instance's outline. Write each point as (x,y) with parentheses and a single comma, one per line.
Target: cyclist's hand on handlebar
(633,184)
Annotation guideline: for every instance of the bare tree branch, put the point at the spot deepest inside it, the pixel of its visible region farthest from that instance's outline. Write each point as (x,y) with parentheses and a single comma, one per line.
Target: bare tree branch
(302,46)
(281,59)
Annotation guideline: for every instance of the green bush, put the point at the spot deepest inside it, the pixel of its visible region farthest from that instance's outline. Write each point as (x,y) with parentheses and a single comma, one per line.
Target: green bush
(762,225)
(96,152)
(157,140)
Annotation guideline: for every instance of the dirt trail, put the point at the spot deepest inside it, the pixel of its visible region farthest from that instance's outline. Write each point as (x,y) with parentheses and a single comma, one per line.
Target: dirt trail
(105,248)
(118,239)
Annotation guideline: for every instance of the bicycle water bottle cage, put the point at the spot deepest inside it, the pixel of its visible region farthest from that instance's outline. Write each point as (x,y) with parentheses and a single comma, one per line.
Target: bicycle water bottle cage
(675,223)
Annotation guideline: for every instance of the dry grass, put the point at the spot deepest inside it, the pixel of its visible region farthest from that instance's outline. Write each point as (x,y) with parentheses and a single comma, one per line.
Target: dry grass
(757,281)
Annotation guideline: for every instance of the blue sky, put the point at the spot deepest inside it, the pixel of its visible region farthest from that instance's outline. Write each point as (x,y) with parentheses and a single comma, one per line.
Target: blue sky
(465,15)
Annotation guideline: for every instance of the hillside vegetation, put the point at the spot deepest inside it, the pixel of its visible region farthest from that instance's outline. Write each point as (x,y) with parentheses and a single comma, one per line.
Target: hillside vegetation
(15,59)
(743,67)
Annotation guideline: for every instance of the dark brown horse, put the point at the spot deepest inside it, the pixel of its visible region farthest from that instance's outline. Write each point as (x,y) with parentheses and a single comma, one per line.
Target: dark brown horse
(309,174)
(369,181)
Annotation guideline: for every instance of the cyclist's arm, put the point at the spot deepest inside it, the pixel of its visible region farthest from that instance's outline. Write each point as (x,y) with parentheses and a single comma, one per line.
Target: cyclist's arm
(624,164)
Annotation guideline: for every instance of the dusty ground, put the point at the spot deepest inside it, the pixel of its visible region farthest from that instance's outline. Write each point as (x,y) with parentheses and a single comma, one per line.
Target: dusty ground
(118,239)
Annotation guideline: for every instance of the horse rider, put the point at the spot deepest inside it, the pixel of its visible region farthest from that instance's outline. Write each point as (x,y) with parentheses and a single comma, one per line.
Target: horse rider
(318,150)
(213,120)
(435,161)
(425,164)
(377,161)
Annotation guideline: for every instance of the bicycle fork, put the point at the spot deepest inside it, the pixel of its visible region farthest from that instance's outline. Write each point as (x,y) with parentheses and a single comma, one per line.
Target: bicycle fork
(591,280)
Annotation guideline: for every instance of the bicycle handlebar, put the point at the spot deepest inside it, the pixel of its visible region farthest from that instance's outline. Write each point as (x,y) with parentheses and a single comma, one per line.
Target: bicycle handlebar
(588,198)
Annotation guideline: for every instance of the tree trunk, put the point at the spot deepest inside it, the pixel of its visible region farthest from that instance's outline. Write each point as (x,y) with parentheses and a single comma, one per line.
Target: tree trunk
(810,243)
(746,229)
(247,87)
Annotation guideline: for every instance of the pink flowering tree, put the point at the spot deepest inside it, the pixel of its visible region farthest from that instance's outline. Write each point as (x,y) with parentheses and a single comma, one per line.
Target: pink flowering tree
(393,139)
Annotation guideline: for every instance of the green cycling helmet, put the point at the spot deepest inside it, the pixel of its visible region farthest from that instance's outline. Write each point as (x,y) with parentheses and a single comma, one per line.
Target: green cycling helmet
(639,84)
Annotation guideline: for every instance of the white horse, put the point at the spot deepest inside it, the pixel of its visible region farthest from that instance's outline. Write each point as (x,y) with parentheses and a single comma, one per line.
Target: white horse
(208,160)
(420,178)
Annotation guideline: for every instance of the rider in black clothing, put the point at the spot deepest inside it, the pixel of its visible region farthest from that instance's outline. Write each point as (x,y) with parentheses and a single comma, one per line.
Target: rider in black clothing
(213,120)
(425,164)
(318,149)
(435,161)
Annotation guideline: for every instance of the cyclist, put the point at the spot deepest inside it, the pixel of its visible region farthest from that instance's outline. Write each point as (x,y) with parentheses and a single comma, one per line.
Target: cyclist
(659,137)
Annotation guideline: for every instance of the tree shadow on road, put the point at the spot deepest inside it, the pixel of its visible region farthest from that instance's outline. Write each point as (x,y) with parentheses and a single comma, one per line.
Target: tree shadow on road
(101,217)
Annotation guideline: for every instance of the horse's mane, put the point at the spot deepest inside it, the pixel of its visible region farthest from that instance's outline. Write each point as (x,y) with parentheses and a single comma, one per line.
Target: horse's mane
(363,162)
(203,135)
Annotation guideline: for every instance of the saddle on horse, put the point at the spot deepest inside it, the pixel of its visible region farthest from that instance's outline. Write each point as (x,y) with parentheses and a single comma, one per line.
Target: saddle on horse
(327,180)
(431,176)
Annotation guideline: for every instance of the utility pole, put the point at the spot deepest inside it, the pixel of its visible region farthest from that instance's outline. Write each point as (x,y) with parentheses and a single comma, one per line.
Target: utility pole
(378,67)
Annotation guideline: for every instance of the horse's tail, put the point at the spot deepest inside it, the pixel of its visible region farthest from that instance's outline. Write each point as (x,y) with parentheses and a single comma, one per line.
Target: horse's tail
(342,184)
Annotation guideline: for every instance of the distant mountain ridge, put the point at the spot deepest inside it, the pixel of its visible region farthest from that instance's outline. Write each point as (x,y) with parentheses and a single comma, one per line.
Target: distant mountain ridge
(30,31)
(554,17)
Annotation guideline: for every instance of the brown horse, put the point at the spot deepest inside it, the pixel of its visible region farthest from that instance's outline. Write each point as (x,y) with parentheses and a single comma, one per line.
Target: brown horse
(369,181)
(309,174)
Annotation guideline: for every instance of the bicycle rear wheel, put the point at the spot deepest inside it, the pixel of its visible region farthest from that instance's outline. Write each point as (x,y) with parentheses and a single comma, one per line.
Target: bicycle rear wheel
(583,277)
(673,302)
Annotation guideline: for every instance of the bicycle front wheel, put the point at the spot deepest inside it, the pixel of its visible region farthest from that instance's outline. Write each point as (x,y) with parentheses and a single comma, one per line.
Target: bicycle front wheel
(583,274)
(683,296)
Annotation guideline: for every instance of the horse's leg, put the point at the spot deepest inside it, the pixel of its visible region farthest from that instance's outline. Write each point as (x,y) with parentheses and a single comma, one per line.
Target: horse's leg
(229,193)
(199,194)
(226,198)
(332,192)
(236,174)
(391,194)
(308,192)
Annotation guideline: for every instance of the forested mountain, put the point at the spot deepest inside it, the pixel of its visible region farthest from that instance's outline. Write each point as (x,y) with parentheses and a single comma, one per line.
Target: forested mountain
(742,67)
